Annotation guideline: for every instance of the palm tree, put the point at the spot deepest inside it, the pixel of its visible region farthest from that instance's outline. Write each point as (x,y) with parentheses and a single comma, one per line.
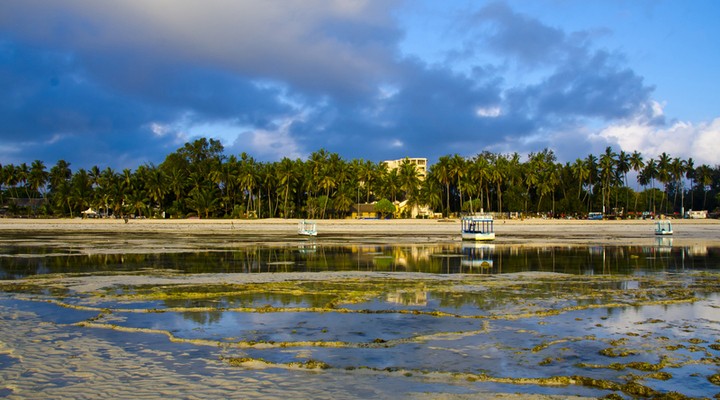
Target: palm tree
(690,174)
(470,184)
(444,175)
(22,173)
(203,200)
(664,175)
(498,173)
(287,177)
(650,172)
(38,177)
(156,185)
(622,166)
(637,164)
(81,191)
(677,171)
(480,174)
(581,172)
(409,178)
(60,176)
(431,192)
(591,164)
(704,176)
(607,171)
(247,179)
(457,167)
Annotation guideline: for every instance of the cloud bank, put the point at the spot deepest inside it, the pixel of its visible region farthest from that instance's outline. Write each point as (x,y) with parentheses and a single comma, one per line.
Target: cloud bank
(124,83)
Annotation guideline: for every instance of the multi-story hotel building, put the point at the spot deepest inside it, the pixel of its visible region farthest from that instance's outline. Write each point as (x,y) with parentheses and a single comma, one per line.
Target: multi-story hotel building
(420,165)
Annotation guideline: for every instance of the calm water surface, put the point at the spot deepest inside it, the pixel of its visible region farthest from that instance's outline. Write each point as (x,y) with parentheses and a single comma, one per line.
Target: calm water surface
(20,261)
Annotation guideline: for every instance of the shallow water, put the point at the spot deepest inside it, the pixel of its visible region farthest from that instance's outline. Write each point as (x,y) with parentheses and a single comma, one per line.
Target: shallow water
(411,320)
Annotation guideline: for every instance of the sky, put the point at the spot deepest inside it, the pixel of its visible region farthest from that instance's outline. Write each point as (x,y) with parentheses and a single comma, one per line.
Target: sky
(125,83)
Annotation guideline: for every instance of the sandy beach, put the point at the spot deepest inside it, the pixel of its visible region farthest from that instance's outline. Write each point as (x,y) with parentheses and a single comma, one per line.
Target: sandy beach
(705,232)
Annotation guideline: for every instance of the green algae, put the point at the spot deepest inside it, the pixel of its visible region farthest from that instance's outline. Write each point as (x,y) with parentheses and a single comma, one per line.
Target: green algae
(714,379)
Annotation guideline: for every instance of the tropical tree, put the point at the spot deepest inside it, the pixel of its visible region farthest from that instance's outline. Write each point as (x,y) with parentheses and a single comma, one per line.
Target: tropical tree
(442,172)
(203,201)
(607,173)
(287,177)
(156,185)
(664,175)
(498,173)
(705,178)
(637,164)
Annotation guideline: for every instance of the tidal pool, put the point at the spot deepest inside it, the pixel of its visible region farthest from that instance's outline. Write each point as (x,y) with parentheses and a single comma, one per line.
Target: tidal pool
(357,320)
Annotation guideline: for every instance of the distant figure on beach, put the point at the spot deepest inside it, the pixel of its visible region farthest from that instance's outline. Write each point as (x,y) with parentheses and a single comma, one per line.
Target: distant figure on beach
(125,217)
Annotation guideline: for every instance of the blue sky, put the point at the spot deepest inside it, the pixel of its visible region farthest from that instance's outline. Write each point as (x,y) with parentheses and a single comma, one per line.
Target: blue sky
(125,83)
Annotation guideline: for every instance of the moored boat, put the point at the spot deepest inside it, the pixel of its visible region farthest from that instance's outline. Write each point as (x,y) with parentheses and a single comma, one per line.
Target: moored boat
(478,227)
(663,228)
(307,228)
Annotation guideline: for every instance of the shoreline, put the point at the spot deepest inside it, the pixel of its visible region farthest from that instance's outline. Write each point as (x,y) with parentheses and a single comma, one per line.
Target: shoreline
(688,232)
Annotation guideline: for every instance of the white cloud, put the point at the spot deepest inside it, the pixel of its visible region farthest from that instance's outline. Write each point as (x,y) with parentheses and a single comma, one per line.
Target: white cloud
(678,139)
(268,144)
(488,112)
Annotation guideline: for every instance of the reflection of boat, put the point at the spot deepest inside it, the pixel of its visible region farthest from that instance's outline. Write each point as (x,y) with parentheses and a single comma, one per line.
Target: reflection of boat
(663,228)
(308,228)
(663,243)
(478,227)
(408,298)
(477,255)
(307,249)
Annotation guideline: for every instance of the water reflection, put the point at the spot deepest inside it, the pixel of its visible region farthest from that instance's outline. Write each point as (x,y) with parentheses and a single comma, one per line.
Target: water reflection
(446,258)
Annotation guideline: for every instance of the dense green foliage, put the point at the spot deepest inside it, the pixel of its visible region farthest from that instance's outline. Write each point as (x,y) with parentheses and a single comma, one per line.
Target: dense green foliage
(199,180)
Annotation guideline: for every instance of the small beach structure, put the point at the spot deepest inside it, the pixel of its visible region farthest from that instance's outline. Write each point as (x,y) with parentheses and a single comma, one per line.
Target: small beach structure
(477,227)
(663,228)
(307,228)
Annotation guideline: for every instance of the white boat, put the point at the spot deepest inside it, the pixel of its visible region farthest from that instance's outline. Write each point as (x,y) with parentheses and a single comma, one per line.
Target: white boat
(307,228)
(663,228)
(477,227)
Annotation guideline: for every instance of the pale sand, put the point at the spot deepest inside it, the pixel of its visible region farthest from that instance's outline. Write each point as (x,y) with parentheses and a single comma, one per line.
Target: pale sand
(538,231)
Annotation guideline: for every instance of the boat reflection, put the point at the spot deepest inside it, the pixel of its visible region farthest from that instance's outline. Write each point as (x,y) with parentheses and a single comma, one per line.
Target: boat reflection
(477,255)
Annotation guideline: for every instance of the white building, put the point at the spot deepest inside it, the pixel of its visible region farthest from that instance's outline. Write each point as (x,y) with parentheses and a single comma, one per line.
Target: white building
(420,164)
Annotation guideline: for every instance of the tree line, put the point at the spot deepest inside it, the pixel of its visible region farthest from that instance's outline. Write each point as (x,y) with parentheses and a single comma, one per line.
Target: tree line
(199,180)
